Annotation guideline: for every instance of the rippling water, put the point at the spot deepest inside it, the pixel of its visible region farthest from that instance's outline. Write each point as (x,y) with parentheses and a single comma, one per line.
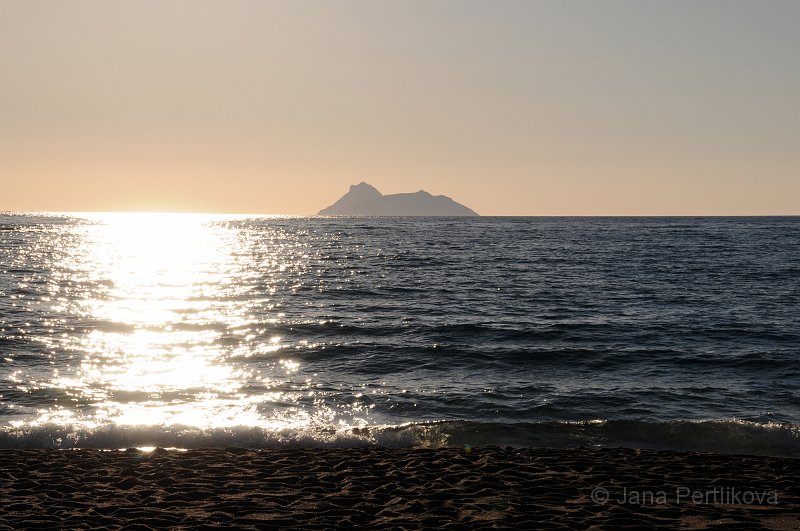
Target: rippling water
(194,330)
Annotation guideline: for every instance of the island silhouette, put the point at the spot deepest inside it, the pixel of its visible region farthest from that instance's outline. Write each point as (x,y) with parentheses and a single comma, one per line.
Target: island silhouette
(365,200)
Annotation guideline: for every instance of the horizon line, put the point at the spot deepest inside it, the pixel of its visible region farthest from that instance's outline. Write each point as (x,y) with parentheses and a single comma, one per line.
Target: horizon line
(263,214)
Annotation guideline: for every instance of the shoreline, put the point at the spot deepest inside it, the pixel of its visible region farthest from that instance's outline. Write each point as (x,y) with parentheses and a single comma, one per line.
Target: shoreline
(380,488)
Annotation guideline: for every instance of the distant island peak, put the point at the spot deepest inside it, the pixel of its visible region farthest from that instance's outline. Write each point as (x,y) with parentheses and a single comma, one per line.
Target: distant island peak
(363,199)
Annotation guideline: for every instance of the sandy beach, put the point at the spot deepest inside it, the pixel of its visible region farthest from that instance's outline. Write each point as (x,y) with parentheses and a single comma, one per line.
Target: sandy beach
(390,488)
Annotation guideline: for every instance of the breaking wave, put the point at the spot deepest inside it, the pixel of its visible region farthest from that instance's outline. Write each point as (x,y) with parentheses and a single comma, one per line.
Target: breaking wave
(719,436)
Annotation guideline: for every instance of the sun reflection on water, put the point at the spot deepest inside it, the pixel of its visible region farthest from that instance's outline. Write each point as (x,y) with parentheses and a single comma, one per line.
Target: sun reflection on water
(166,328)
(159,266)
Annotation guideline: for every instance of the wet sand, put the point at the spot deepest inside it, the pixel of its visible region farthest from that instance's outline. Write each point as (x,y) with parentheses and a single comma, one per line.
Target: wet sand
(390,488)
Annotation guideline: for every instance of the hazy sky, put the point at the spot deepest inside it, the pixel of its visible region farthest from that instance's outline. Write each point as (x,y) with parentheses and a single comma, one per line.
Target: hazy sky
(512,108)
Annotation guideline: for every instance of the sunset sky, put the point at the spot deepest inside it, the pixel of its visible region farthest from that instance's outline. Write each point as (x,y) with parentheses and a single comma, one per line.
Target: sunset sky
(510,107)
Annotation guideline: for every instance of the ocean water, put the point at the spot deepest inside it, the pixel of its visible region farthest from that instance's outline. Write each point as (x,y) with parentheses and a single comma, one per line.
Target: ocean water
(120,330)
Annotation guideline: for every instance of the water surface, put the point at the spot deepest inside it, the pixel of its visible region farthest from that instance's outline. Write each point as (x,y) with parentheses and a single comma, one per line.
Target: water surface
(124,330)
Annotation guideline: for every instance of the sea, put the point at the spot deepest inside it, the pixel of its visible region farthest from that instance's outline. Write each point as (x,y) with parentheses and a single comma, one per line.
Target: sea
(122,330)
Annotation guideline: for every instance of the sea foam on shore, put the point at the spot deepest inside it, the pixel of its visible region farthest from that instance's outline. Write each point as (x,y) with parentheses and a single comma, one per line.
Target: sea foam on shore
(710,436)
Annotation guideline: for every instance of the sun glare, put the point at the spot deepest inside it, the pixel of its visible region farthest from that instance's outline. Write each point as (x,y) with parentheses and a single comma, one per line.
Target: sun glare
(166,296)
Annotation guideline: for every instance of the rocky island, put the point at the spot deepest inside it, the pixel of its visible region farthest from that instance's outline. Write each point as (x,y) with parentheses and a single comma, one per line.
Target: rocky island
(365,200)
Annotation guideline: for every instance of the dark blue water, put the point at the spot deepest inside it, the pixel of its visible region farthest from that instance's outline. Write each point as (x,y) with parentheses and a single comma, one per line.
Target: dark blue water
(136,330)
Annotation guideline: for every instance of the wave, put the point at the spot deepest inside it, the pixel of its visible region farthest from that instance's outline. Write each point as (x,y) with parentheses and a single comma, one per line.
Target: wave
(717,436)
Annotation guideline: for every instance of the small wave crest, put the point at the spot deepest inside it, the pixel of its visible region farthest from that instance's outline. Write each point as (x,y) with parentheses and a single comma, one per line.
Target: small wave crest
(718,436)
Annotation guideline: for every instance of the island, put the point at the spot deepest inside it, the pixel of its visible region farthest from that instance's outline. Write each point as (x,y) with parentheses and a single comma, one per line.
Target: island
(365,200)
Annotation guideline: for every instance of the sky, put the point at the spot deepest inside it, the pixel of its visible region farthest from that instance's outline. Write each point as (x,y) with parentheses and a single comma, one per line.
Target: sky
(528,107)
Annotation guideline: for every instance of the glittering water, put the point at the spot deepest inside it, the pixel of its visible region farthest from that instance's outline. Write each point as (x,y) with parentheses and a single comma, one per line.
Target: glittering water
(194,330)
